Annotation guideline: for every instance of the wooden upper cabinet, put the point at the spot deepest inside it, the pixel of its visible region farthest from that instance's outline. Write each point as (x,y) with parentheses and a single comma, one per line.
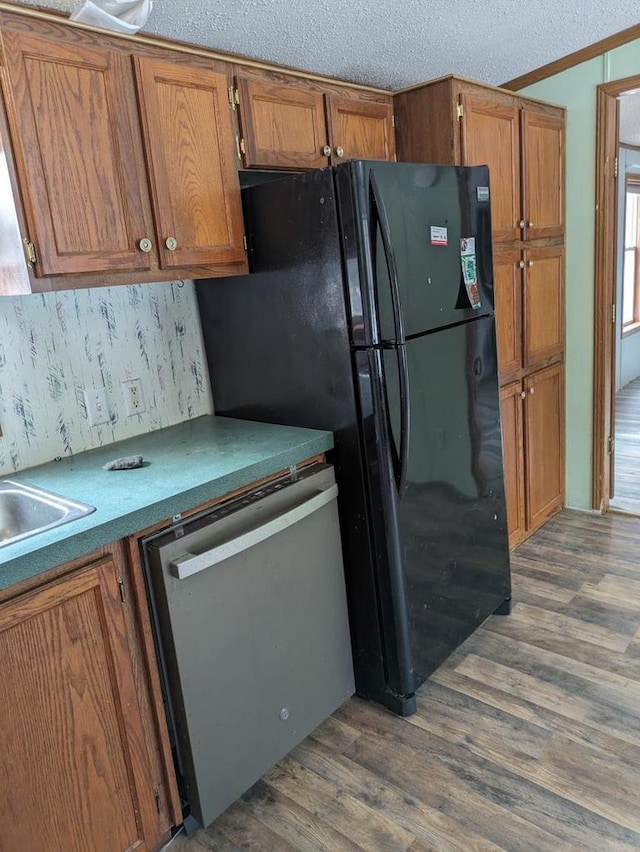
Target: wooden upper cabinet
(459,122)
(289,124)
(544,304)
(544,443)
(283,125)
(543,178)
(507,287)
(72,733)
(70,118)
(360,129)
(188,136)
(490,136)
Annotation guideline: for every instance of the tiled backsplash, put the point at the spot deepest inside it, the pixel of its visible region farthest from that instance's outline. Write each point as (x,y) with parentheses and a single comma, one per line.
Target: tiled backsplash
(54,345)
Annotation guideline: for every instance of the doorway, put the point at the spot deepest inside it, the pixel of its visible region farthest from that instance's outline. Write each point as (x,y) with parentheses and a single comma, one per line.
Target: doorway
(616,461)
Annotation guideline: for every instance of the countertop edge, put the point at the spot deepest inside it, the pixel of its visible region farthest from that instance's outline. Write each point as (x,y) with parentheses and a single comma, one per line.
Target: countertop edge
(70,545)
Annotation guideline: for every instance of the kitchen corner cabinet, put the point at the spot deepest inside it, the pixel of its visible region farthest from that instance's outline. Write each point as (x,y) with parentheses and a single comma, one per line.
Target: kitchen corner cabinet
(522,141)
(78,772)
(289,124)
(120,172)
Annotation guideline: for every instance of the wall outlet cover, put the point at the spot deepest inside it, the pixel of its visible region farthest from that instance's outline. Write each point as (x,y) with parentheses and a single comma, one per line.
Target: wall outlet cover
(133,397)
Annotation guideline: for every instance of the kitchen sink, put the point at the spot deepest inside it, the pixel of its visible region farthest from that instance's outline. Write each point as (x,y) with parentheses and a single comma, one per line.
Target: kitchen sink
(26,510)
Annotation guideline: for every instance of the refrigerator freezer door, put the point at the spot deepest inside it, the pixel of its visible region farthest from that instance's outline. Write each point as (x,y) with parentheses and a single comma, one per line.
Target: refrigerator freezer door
(437,221)
(451,515)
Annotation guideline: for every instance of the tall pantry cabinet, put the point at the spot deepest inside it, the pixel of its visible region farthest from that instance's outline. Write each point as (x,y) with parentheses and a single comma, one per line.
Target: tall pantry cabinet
(459,122)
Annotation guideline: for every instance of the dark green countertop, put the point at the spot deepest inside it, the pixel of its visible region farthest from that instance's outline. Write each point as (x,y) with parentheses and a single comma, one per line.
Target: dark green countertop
(186,465)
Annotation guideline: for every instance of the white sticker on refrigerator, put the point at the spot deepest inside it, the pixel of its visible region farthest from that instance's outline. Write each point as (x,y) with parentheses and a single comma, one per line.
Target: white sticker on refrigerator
(470,270)
(439,236)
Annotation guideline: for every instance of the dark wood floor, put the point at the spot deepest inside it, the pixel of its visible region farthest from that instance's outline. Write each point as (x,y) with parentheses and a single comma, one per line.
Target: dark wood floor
(528,738)
(627,449)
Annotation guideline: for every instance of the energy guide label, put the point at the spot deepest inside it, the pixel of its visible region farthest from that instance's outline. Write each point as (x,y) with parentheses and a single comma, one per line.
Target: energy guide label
(439,236)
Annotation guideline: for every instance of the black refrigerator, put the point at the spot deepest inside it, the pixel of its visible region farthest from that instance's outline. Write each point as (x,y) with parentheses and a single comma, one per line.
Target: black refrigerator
(368,311)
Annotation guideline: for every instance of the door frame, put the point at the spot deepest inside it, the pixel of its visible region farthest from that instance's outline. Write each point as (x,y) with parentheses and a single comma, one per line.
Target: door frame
(607,114)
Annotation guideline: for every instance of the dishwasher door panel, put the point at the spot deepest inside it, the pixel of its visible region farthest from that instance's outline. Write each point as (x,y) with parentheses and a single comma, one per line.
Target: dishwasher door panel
(256,646)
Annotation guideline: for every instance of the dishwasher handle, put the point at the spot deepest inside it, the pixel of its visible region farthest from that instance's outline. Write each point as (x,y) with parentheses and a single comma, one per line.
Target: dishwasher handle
(190,564)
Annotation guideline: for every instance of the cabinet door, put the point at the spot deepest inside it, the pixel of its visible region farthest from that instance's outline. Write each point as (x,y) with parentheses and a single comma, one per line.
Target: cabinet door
(544,315)
(72,128)
(544,444)
(507,284)
(543,174)
(71,729)
(283,125)
(490,136)
(190,146)
(360,129)
(513,459)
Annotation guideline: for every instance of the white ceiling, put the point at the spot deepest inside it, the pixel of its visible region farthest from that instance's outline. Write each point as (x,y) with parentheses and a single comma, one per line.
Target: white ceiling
(392,44)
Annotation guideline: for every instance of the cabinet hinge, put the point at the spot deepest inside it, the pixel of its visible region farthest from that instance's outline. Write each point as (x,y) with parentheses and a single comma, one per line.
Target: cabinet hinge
(234,97)
(29,252)
(156,794)
(123,596)
(459,111)
(610,445)
(393,120)
(240,147)
(613,313)
(244,242)
(616,165)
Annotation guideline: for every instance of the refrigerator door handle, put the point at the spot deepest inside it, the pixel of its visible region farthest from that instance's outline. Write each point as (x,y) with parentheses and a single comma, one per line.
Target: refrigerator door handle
(382,220)
(398,321)
(405,418)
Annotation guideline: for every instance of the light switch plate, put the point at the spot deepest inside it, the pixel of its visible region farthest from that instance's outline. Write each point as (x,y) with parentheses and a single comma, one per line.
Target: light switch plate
(95,400)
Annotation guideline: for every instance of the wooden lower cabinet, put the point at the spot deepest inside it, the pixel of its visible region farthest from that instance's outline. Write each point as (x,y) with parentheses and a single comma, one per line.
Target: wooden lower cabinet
(513,460)
(533,442)
(77,773)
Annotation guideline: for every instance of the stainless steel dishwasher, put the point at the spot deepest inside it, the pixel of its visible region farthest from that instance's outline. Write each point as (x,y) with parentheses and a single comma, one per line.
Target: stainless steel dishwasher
(250,620)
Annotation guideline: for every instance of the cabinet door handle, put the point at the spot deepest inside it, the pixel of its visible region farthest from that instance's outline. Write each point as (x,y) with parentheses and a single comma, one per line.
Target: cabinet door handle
(326,151)
(529,263)
(339,151)
(145,244)
(523,395)
(192,563)
(521,264)
(531,390)
(522,224)
(171,243)
(529,224)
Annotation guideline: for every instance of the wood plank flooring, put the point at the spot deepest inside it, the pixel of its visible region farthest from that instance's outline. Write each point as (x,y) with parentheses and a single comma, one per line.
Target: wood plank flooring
(627,449)
(527,738)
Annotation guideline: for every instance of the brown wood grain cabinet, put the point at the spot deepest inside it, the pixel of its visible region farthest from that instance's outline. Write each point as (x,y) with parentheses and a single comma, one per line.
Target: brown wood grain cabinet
(533,446)
(119,172)
(75,736)
(293,124)
(457,121)
(511,405)
(460,122)
(544,444)
(188,136)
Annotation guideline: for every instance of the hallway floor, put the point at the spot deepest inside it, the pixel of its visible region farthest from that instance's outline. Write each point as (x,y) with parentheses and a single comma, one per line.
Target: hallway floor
(627,449)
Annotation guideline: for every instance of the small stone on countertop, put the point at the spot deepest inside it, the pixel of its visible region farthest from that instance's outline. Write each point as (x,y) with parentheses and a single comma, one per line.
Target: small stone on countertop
(123,463)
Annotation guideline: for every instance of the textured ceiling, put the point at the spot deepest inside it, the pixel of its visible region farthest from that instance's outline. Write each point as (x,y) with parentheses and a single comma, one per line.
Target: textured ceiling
(395,43)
